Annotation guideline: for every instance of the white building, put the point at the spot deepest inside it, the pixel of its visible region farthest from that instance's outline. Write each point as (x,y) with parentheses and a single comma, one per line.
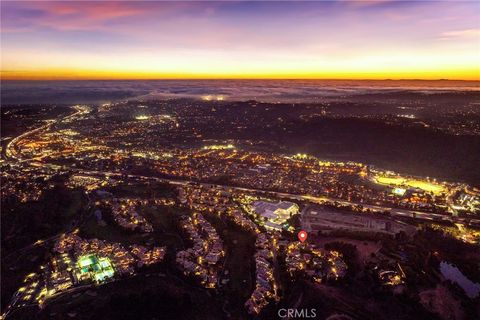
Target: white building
(275,214)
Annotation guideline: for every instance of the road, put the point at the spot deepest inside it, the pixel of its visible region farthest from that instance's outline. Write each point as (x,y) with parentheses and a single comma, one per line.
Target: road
(394,212)
(81,110)
(12,155)
(10,150)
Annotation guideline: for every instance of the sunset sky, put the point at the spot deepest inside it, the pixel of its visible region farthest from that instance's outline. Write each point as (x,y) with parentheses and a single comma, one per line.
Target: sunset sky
(199,39)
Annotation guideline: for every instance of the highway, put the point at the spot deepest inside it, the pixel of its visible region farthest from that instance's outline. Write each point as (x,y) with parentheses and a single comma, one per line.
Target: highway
(12,155)
(11,152)
(394,212)
(81,110)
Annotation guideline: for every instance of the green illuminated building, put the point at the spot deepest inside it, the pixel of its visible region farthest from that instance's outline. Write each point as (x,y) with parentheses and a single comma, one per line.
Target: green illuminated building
(91,267)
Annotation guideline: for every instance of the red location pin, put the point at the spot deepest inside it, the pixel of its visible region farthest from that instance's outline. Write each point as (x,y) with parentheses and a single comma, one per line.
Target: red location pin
(302,236)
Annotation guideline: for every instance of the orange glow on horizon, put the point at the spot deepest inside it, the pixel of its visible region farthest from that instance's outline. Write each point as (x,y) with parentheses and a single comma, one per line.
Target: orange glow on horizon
(113,40)
(466,75)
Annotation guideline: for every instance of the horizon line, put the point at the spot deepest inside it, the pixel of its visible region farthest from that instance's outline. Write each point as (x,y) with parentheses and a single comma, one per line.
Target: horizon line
(237,79)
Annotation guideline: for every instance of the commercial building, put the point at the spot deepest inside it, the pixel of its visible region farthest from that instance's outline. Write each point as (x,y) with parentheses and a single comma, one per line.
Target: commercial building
(315,218)
(275,214)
